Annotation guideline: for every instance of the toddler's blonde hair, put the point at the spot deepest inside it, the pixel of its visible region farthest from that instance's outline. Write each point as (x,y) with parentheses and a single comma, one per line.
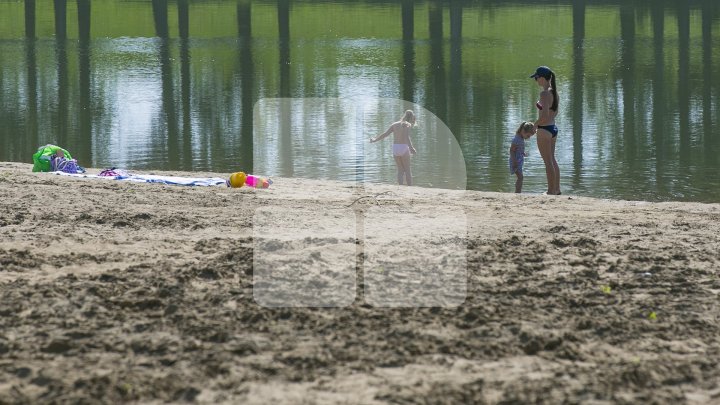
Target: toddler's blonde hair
(525,126)
(409,117)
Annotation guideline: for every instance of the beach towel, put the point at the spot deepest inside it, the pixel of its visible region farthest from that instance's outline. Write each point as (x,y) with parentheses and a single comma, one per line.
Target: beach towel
(118,174)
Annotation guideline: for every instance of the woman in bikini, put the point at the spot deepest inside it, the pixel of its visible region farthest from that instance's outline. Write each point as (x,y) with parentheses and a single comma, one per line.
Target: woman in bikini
(546,129)
(402,145)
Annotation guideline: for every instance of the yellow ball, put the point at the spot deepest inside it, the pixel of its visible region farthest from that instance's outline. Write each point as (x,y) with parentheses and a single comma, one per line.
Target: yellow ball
(237,179)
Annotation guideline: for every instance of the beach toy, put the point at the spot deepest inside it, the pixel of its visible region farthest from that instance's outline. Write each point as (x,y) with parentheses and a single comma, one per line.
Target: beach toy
(257,182)
(239,179)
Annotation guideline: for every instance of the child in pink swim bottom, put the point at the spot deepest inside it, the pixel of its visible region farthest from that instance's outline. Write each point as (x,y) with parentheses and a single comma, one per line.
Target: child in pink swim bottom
(402,145)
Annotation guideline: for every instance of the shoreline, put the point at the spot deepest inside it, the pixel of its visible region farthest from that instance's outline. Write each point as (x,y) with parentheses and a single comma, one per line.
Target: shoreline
(123,292)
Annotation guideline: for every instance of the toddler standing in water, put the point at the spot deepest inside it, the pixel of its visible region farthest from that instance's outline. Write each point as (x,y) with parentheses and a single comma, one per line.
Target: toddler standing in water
(517,152)
(402,145)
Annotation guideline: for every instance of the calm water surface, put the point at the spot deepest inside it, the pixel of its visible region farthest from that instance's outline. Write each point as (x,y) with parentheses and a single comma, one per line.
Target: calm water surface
(190,85)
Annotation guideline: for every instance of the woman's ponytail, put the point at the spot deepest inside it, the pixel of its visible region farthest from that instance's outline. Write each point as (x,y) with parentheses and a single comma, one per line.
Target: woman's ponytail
(554,106)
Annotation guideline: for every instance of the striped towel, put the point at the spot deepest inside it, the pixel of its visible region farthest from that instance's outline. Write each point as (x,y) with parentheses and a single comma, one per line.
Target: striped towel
(151,178)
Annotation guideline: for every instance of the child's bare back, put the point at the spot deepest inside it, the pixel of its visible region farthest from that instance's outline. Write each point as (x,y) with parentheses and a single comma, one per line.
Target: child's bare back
(401,132)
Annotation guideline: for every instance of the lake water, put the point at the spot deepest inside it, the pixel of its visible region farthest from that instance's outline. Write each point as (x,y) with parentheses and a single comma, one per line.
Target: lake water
(296,88)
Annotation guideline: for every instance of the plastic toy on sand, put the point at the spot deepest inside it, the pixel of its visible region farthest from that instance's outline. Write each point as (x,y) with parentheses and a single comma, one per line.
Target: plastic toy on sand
(239,179)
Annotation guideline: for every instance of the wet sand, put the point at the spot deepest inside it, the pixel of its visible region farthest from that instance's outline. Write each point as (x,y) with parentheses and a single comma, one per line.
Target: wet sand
(124,292)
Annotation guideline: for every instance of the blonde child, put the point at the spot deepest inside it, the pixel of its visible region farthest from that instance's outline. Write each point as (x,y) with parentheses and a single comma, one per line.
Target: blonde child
(517,152)
(402,145)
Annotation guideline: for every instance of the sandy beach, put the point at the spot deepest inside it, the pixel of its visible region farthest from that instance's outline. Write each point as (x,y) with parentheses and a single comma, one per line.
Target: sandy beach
(321,292)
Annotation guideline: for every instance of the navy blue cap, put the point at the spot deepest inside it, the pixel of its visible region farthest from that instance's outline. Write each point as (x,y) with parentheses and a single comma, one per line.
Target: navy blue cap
(542,71)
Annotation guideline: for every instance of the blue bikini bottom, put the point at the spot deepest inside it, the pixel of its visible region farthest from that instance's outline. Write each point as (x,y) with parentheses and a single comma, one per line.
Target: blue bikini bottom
(550,128)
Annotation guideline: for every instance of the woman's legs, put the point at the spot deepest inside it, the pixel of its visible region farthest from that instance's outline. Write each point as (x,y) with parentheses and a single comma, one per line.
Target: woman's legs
(556,168)
(545,143)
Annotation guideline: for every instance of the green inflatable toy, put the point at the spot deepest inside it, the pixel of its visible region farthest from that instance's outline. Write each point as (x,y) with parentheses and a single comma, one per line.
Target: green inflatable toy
(41,158)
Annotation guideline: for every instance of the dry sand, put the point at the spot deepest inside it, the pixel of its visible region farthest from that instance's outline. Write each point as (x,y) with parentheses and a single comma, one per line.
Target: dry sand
(123,292)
